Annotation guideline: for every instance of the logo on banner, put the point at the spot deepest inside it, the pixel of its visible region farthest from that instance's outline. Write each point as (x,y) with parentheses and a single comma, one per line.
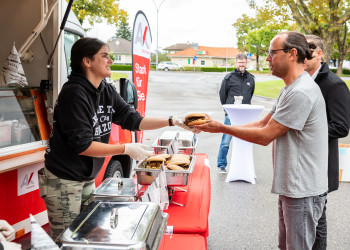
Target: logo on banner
(141,36)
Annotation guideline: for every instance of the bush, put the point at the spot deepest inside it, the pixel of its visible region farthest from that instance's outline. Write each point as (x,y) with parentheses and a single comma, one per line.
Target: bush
(216,69)
(345,71)
(121,67)
(191,68)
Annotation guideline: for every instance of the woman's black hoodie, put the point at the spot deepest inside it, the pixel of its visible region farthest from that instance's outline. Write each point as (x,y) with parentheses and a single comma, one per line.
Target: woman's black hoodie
(84,114)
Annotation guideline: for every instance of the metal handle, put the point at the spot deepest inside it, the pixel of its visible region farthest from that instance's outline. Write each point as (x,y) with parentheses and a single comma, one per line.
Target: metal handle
(120,184)
(114,218)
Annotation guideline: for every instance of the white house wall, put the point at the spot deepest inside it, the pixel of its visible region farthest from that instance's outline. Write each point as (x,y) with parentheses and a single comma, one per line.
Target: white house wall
(208,62)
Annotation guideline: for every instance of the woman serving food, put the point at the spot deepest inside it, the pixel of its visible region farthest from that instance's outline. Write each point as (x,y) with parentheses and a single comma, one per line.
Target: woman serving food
(78,144)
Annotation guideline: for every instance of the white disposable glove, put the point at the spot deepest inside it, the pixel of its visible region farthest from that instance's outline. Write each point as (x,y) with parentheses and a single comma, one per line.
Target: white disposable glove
(137,151)
(6,230)
(11,245)
(178,121)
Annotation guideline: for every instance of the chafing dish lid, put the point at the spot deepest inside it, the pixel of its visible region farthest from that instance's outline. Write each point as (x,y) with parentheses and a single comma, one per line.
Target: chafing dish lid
(113,223)
(117,187)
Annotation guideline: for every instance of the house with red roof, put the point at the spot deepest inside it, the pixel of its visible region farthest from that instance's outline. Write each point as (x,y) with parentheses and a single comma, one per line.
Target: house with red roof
(205,56)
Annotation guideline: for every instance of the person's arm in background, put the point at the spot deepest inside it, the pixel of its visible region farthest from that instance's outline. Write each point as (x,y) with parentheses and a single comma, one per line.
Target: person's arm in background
(253,87)
(223,92)
(338,108)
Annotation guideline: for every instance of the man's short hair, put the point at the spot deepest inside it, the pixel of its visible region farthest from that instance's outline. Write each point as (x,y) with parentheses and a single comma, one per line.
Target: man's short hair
(241,56)
(297,41)
(317,40)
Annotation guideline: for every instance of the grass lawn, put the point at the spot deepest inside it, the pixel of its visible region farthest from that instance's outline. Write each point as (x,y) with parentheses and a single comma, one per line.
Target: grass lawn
(117,76)
(273,88)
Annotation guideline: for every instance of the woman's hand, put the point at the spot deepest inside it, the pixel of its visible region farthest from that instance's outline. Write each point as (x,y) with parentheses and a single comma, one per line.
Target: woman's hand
(137,151)
(178,121)
(6,230)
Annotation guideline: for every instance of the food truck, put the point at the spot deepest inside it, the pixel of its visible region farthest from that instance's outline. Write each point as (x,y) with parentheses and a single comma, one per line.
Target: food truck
(37,36)
(36,39)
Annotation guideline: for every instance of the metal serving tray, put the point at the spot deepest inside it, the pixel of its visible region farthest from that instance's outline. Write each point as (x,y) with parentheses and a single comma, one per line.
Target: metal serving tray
(173,177)
(117,189)
(116,225)
(167,137)
(189,150)
(168,149)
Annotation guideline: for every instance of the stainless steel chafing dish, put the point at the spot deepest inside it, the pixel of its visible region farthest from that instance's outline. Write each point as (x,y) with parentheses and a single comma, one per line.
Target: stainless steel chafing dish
(168,149)
(173,177)
(167,137)
(116,225)
(187,143)
(117,189)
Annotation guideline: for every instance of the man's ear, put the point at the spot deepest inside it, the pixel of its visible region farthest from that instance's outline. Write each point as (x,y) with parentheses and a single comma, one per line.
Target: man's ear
(320,54)
(293,53)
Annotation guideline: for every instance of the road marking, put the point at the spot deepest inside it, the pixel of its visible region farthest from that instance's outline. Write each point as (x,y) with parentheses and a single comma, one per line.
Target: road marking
(202,78)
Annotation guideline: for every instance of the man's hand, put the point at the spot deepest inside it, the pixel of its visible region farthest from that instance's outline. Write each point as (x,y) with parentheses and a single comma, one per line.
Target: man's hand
(137,151)
(178,121)
(6,230)
(211,126)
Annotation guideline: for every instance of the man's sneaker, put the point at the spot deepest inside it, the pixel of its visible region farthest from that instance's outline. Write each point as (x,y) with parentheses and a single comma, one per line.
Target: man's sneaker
(222,170)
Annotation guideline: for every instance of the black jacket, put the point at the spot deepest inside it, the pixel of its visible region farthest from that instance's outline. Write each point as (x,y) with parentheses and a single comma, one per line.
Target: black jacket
(84,114)
(337,97)
(237,84)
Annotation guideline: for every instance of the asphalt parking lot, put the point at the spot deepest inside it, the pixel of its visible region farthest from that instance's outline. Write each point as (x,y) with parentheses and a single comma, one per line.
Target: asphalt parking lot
(242,215)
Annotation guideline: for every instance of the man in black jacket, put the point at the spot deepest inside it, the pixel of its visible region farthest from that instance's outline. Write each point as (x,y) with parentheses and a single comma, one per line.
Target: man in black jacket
(237,83)
(337,98)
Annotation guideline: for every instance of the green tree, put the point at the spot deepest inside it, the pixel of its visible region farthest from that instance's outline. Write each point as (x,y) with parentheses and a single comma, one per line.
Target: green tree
(258,42)
(161,57)
(343,44)
(95,11)
(123,29)
(325,19)
(254,34)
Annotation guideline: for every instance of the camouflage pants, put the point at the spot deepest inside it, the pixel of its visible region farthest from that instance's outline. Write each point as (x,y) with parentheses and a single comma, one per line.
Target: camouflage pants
(64,199)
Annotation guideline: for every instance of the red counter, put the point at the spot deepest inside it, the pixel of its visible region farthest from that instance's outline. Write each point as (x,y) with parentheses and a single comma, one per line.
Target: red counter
(193,217)
(183,242)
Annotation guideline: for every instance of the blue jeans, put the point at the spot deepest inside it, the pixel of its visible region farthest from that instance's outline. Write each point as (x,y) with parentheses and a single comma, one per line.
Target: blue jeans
(298,218)
(224,146)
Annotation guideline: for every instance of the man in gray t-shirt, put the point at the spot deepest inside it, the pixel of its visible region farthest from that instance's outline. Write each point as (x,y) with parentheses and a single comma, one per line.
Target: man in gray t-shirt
(297,126)
(300,155)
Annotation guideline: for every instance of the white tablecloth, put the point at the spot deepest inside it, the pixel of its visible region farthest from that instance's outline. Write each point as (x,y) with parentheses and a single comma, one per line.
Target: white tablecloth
(242,163)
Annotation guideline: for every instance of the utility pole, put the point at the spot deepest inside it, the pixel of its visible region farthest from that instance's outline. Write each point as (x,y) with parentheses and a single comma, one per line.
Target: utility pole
(157,8)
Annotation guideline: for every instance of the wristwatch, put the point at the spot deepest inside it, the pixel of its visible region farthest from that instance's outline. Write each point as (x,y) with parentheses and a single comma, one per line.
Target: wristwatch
(171,123)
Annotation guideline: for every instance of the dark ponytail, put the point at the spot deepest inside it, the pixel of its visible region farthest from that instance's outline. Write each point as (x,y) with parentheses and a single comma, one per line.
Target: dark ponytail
(298,41)
(84,47)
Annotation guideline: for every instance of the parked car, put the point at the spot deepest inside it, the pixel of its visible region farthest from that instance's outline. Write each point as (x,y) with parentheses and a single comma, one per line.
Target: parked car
(166,66)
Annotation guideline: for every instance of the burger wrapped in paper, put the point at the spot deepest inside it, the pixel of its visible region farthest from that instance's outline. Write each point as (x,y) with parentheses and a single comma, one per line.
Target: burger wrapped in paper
(195,119)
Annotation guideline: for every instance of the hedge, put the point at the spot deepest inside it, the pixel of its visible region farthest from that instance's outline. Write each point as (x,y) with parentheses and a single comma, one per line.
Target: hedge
(345,71)
(121,67)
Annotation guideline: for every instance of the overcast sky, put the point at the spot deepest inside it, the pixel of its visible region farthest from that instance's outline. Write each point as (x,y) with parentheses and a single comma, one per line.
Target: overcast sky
(206,22)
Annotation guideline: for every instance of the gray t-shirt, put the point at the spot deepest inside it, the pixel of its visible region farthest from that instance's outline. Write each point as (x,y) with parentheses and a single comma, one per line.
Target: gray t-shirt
(300,156)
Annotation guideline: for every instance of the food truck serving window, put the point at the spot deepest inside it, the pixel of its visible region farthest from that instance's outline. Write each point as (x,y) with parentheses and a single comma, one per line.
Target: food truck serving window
(69,40)
(18,118)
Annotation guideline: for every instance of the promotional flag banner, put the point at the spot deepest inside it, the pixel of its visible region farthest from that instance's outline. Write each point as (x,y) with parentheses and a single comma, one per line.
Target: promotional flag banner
(141,57)
(12,71)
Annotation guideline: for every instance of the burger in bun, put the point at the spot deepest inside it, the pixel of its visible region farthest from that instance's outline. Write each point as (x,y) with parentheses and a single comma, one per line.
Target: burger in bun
(155,162)
(195,119)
